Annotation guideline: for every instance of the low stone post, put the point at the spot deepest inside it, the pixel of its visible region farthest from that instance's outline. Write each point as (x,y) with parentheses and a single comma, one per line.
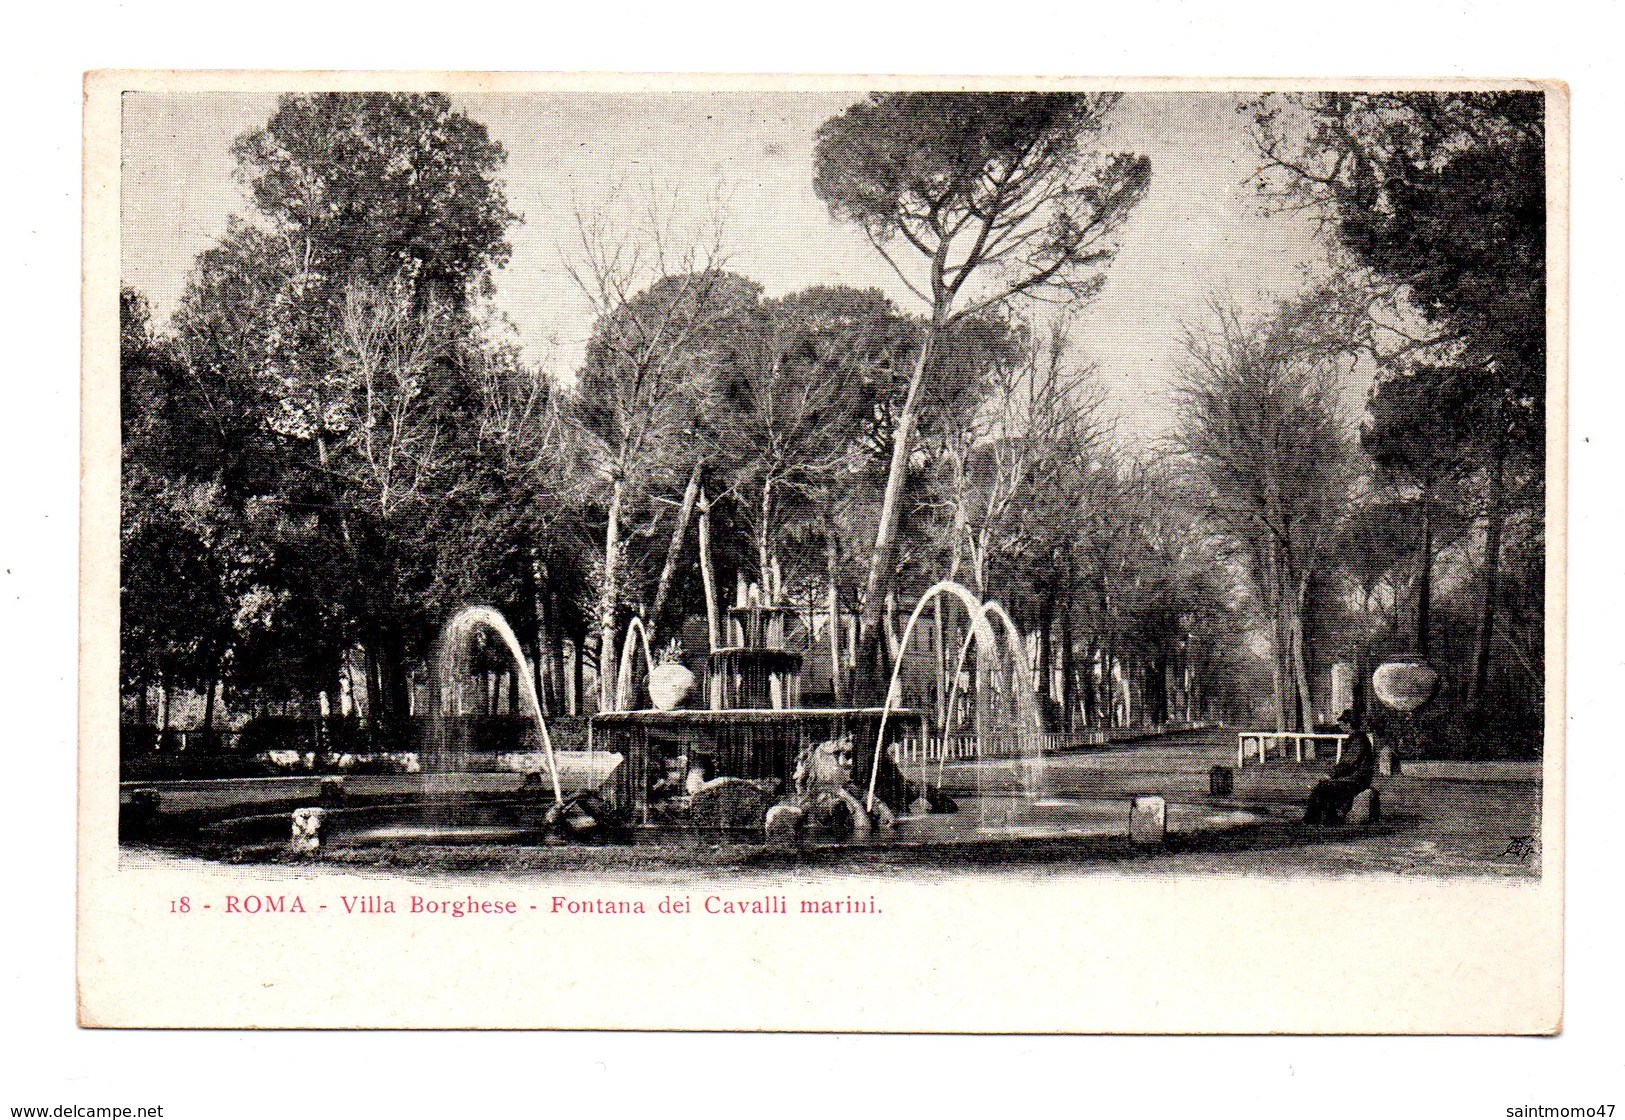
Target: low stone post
(307,829)
(1221,781)
(1387,761)
(331,792)
(1367,807)
(1148,821)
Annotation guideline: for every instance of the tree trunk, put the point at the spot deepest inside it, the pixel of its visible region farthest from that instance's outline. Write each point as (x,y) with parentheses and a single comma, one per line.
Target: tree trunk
(373,675)
(1300,656)
(832,572)
(894,642)
(578,674)
(708,577)
(1045,682)
(208,708)
(939,659)
(1108,688)
(608,598)
(555,635)
(1275,599)
(538,607)
(395,685)
(872,669)
(674,549)
(1121,672)
(1068,686)
(764,560)
(1424,579)
(1495,518)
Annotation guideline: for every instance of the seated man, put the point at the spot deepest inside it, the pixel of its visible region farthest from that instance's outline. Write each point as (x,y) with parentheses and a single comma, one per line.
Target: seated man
(1330,800)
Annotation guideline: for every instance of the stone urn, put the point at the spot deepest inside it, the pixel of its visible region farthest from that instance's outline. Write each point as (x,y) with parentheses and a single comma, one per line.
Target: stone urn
(670,684)
(1405,684)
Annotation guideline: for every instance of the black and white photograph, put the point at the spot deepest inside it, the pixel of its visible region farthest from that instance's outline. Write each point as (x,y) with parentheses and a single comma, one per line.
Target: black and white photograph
(825,520)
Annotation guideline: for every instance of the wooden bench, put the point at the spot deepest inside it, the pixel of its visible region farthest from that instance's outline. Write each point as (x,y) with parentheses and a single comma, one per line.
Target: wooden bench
(1261,742)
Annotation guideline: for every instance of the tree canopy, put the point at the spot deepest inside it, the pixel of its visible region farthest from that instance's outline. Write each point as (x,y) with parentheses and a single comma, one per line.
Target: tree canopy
(981,183)
(1443,194)
(382,184)
(338,438)
(1003,189)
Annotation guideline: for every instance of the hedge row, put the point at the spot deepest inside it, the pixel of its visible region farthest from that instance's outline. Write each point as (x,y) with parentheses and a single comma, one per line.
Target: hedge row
(145,755)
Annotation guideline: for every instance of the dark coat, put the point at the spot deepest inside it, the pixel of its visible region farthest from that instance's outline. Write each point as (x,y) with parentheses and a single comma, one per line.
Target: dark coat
(1359,763)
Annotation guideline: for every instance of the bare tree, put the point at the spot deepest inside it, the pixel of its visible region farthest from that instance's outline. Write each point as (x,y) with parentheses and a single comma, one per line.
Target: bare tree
(1269,458)
(387,353)
(664,316)
(1037,411)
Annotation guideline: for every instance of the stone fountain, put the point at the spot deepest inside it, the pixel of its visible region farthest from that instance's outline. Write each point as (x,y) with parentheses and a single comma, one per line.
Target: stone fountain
(752,732)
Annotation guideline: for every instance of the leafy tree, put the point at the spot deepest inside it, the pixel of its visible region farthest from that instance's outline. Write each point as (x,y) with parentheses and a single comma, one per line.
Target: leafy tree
(329,345)
(794,414)
(1443,195)
(172,597)
(1443,192)
(1032,411)
(382,185)
(1416,435)
(514,532)
(1000,196)
(1097,517)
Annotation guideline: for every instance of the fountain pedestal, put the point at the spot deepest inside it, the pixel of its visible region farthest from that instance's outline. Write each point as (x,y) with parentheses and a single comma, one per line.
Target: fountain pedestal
(753,678)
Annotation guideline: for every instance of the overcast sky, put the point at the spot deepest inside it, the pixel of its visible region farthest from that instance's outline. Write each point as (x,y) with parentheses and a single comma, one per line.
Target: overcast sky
(1198,231)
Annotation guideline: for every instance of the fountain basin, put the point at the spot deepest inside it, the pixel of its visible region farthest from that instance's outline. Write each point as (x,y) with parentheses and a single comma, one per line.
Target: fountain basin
(754,744)
(1016,818)
(511,829)
(445,834)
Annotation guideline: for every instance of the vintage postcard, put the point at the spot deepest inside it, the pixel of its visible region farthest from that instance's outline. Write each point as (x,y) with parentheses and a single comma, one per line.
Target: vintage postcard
(822,554)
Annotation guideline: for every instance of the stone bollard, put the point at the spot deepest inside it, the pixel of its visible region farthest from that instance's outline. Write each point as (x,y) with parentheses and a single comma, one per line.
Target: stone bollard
(1148,821)
(785,824)
(1387,761)
(1367,807)
(331,792)
(307,829)
(1221,781)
